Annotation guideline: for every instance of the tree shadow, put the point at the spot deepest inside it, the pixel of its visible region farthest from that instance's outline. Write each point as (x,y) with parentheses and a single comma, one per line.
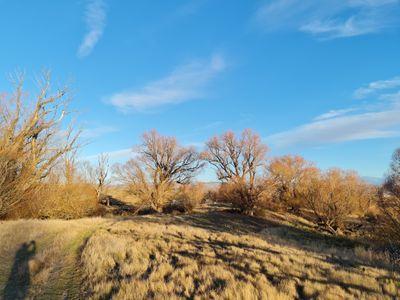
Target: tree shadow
(310,240)
(19,280)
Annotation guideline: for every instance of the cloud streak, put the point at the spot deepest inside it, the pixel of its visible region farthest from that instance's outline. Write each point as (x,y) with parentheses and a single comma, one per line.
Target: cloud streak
(349,124)
(340,129)
(333,113)
(95,18)
(377,86)
(185,83)
(97,131)
(330,19)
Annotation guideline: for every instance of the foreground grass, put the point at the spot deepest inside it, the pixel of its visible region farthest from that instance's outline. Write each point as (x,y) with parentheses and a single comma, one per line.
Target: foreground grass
(207,256)
(40,259)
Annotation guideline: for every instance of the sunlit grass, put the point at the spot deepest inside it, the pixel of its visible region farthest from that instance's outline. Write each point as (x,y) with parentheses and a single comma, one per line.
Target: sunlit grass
(201,256)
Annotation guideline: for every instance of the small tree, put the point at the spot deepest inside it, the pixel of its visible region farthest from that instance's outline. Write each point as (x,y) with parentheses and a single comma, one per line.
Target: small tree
(98,175)
(238,161)
(31,142)
(290,176)
(101,176)
(390,201)
(161,164)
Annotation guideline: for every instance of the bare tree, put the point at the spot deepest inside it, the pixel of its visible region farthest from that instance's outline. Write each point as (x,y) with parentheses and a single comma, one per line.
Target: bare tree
(238,161)
(98,176)
(31,142)
(161,163)
(102,171)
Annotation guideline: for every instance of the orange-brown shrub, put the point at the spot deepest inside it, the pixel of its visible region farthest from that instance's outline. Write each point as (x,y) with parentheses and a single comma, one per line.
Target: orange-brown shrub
(290,176)
(244,197)
(61,201)
(334,195)
(190,196)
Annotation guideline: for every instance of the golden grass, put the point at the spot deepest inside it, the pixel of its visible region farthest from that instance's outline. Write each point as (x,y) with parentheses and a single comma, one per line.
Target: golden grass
(210,255)
(149,259)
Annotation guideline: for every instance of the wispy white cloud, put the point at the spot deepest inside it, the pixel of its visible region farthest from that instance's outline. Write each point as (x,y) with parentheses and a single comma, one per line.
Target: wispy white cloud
(185,83)
(377,86)
(97,131)
(349,124)
(345,128)
(331,18)
(95,18)
(333,114)
(352,26)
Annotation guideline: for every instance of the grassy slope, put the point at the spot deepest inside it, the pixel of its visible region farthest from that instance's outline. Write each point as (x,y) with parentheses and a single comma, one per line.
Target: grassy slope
(206,255)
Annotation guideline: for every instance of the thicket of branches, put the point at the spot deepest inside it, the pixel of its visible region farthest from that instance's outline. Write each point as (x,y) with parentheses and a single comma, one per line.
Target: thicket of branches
(334,195)
(31,142)
(40,173)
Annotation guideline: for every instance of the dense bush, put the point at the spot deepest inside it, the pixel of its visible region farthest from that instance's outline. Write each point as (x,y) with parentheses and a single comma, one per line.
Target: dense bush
(290,176)
(190,196)
(334,195)
(244,197)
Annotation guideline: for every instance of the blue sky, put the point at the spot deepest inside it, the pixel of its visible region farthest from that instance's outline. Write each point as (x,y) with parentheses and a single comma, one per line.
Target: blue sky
(315,78)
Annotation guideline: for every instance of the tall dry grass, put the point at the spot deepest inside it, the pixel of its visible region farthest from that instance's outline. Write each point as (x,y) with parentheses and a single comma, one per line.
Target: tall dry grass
(149,258)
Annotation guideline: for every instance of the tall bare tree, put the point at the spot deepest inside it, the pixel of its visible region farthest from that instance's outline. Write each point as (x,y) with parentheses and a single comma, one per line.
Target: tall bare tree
(238,161)
(31,141)
(161,163)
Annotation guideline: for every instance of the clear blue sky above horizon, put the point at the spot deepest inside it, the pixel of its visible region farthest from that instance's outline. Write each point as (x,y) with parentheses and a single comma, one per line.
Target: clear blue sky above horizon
(316,78)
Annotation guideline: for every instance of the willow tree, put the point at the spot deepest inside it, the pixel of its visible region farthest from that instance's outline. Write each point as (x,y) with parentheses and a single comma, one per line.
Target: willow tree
(160,164)
(33,139)
(238,161)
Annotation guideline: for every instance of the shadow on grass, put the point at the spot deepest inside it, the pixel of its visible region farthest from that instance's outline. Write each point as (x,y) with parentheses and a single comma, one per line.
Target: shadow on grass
(19,280)
(300,238)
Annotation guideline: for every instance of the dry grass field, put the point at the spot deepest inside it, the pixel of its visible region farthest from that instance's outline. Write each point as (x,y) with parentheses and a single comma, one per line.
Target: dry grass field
(207,255)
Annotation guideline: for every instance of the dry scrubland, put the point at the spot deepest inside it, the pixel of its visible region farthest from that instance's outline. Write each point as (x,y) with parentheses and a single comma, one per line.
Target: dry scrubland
(204,255)
(287,253)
